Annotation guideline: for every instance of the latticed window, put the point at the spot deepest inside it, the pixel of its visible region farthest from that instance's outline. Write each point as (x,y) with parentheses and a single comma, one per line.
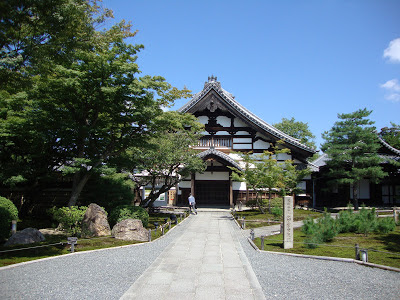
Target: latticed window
(215,141)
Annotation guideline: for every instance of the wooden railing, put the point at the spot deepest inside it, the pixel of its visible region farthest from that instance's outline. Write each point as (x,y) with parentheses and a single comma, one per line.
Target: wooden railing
(216,142)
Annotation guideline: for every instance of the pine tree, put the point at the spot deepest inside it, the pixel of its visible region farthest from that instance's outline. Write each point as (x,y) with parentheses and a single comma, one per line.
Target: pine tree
(352,146)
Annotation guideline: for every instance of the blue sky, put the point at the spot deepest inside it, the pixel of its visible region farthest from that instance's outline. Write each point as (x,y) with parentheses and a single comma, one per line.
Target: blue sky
(304,59)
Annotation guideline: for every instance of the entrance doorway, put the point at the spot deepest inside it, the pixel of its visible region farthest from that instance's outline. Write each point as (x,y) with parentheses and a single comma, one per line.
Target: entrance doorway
(212,193)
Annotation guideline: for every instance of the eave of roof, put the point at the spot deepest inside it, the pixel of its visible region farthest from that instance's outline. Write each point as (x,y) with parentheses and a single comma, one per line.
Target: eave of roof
(386,145)
(214,152)
(245,113)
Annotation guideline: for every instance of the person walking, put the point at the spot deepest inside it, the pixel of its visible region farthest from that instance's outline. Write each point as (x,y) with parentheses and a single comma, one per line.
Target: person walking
(192,203)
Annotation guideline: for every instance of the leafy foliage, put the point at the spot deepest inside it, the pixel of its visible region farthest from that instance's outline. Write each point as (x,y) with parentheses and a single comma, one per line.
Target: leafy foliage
(124,212)
(266,172)
(326,228)
(277,211)
(55,64)
(168,158)
(8,212)
(109,191)
(391,135)
(298,130)
(70,218)
(352,146)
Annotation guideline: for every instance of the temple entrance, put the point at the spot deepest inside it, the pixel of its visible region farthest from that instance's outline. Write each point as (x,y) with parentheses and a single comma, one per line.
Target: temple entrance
(212,193)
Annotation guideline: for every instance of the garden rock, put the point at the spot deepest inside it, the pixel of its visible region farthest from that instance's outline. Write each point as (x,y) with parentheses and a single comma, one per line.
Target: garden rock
(26,236)
(130,230)
(95,222)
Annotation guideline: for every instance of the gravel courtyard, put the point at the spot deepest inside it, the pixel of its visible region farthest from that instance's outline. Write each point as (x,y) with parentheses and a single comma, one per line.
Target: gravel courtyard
(108,274)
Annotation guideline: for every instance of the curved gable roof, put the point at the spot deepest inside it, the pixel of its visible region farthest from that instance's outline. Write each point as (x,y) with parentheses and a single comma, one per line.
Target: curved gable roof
(212,152)
(213,84)
(387,146)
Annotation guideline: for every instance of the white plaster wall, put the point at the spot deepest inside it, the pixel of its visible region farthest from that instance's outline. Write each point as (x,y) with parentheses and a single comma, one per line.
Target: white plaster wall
(224,121)
(238,123)
(261,145)
(242,140)
(363,189)
(203,119)
(214,176)
(223,133)
(242,146)
(184,184)
(238,186)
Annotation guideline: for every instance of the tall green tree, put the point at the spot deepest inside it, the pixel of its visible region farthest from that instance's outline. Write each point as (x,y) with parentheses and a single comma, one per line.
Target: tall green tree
(391,135)
(352,145)
(169,157)
(84,102)
(33,35)
(297,129)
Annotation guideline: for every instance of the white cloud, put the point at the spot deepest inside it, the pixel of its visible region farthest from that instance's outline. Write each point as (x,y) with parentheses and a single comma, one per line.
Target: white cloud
(391,85)
(393,88)
(393,51)
(394,97)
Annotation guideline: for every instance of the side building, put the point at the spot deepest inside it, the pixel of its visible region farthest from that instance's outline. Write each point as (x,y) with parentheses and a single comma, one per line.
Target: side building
(386,193)
(231,128)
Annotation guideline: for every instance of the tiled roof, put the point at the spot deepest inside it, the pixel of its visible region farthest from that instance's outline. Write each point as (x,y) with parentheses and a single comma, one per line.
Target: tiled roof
(215,85)
(213,151)
(321,161)
(386,145)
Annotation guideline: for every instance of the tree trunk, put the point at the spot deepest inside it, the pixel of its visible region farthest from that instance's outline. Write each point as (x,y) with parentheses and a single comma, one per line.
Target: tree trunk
(77,187)
(269,200)
(259,202)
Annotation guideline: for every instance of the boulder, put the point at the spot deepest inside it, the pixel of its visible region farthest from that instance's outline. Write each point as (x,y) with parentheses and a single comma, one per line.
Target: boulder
(130,230)
(95,222)
(26,236)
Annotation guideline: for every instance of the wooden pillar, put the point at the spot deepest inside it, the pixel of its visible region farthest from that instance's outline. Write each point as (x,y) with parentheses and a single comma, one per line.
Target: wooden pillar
(192,191)
(230,190)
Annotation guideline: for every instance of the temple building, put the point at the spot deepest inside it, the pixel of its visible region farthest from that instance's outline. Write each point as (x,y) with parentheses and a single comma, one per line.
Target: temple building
(231,128)
(386,193)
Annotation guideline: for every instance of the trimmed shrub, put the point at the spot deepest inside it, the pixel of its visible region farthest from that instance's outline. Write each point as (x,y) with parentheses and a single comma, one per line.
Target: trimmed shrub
(8,212)
(346,221)
(124,212)
(385,225)
(312,232)
(326,228)
(70,218)
(277,211)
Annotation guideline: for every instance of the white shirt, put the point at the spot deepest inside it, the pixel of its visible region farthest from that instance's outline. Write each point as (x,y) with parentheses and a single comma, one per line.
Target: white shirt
(191,200)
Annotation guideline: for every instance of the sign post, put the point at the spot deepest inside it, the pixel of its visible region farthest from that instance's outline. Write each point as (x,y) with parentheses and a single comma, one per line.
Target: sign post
(288,222)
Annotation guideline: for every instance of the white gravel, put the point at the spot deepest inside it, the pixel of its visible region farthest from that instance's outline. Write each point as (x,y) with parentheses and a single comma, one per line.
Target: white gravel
(104,274)
(109,273)
(287,277)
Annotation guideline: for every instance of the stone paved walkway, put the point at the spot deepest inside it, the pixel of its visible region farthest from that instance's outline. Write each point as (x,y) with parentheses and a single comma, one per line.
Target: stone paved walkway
(206,262)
